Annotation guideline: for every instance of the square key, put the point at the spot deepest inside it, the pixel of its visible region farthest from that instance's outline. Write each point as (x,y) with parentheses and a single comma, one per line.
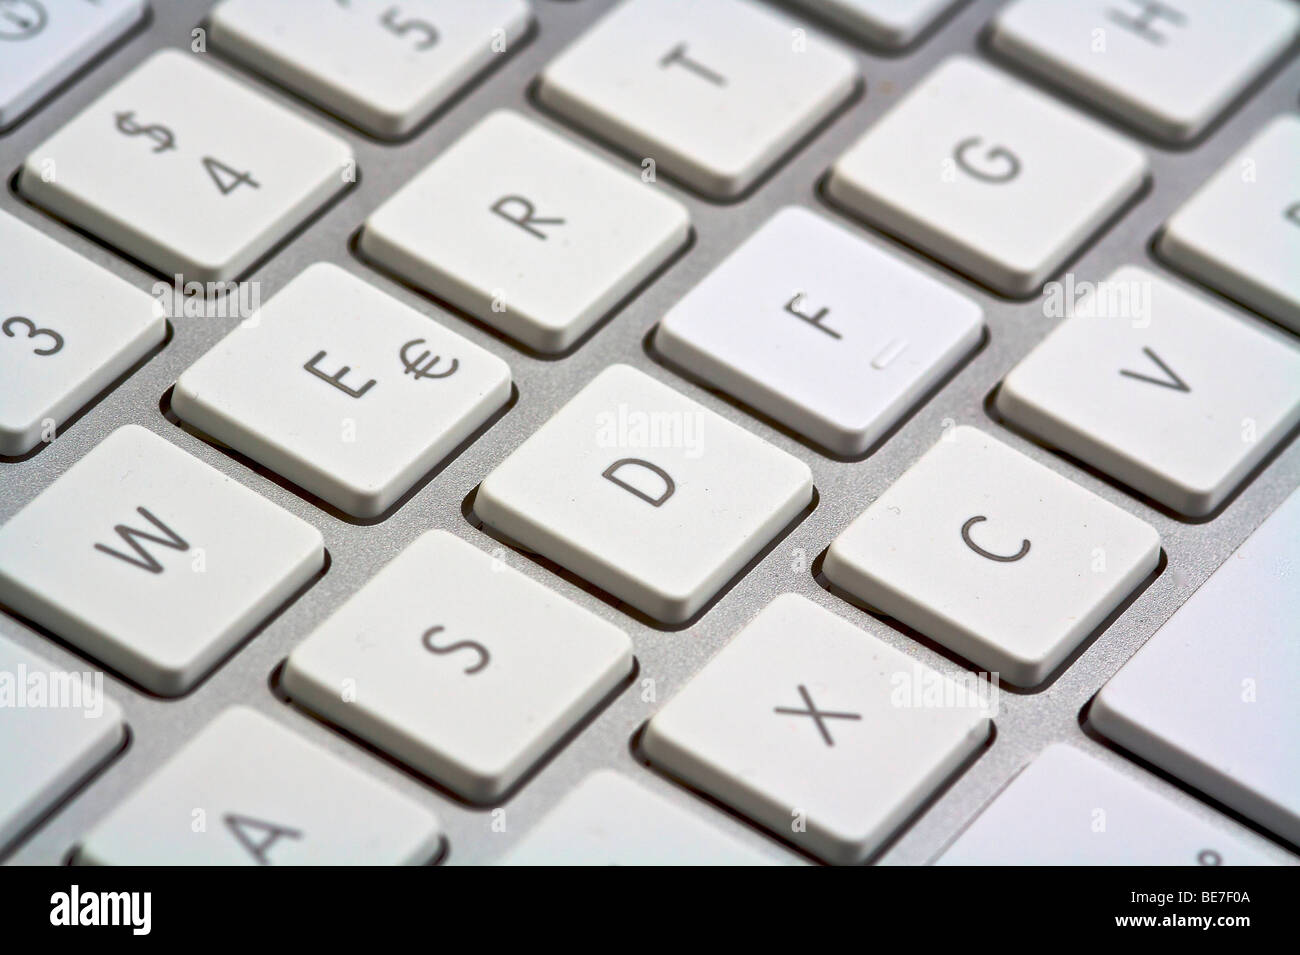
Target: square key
(993,555)
(1240,231)
(1167,67)
(1049,813)
(68,330)
(818,731)
(988,175)
(1170,395)
(459,666)
(540,249)
(382,66)
(610,820)
(817,328)
(187,170)
(151,561)
(48,744)
(712,92)
(645,493)
(343,390)
(265,796)
(1210,699)
(892,24)
(46,42)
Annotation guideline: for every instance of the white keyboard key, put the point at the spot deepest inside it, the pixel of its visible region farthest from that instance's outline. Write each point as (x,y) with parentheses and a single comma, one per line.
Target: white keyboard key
(187,170)
(796,725)
(1240,232)
(713,92)
(1146,61)
(47,41)
(459,666)
(247,791)
(383,67)
(343,390)
(610,820)
(151,561)
(68,329)
(1158,388)
(892,24)
(645,493)
(542,249)
(56,729)
(1068,808)
(994,556)
(989,175)
(817,328)
(1211,697)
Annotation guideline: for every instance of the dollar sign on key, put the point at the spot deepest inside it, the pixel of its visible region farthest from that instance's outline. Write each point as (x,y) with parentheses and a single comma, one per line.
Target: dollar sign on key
(157,132)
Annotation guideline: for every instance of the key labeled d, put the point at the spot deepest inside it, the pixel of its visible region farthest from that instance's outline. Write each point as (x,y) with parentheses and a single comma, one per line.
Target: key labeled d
(647,481)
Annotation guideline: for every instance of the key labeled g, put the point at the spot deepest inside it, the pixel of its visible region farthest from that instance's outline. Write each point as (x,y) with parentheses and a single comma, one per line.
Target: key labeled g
(994,164)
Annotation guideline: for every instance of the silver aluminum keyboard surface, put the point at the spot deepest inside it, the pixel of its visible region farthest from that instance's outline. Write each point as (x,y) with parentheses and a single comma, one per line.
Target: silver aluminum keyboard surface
(1025,722)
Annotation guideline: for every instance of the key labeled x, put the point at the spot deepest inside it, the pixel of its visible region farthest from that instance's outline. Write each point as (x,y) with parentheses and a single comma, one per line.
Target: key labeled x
(818,716)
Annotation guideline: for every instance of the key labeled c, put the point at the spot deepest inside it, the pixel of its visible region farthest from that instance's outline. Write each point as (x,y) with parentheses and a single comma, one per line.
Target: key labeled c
(1003,558)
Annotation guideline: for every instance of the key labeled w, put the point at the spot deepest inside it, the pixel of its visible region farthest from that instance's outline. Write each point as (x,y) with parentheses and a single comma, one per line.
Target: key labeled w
(144,559)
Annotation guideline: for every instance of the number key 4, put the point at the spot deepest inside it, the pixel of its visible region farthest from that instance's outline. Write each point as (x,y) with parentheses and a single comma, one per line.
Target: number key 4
(148,168)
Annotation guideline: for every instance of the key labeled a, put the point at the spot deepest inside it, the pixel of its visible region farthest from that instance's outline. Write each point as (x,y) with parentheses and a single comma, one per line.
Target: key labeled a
(248,791)
(152,561)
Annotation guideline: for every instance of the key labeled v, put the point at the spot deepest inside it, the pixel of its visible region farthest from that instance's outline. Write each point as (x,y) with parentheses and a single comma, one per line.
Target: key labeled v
(1170,380)
(143,559)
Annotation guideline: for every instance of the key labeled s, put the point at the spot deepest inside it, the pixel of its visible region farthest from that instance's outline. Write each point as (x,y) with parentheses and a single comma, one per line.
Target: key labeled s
(468,646)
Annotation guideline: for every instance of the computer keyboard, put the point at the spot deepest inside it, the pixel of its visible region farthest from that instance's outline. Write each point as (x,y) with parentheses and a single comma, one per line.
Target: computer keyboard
(650,431)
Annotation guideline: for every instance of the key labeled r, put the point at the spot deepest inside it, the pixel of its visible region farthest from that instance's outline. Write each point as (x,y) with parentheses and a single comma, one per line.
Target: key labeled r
(523,213)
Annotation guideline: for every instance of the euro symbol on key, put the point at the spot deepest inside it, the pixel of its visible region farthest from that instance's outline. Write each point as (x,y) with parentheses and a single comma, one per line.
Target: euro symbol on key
(158,133)
(423,366)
